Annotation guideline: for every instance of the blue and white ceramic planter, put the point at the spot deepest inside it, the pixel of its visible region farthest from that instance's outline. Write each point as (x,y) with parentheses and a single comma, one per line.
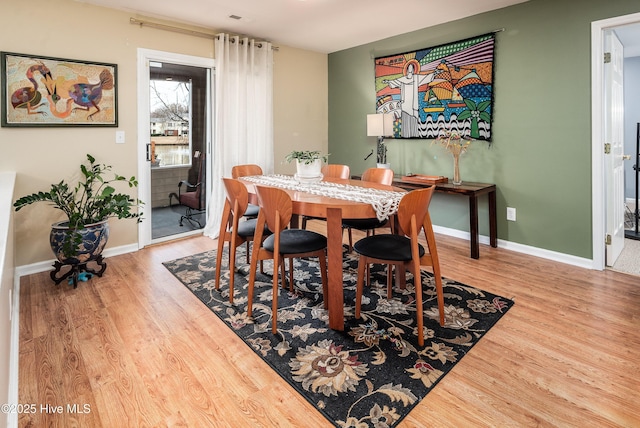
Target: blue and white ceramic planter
(94,239)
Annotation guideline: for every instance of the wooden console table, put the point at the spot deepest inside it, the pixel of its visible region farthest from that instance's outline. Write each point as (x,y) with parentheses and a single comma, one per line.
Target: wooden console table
(472,191)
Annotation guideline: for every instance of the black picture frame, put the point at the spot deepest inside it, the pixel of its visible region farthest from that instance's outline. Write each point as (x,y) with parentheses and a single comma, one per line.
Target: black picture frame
(41,91)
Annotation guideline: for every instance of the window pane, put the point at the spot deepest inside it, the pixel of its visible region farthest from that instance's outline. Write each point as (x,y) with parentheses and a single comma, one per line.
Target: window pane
(170,123)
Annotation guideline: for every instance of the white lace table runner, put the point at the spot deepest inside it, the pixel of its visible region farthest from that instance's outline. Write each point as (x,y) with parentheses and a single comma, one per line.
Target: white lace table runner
(384,202)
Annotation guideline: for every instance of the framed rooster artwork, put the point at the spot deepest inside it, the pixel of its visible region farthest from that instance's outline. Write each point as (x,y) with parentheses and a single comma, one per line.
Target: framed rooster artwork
(44,91)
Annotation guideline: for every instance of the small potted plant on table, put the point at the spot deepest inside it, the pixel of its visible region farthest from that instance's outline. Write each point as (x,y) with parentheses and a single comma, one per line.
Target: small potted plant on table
(308,164)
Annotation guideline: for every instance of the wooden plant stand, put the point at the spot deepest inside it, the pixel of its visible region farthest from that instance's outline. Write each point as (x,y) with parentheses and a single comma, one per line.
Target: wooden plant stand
(77,269)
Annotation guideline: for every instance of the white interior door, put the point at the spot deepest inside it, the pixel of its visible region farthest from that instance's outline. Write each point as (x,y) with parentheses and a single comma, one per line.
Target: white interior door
(614,132)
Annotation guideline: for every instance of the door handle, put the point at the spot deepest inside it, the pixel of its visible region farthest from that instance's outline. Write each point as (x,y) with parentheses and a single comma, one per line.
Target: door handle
(626,157)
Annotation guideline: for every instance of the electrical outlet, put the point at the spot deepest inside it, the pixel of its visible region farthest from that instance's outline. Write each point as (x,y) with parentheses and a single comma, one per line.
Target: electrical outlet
(511,214)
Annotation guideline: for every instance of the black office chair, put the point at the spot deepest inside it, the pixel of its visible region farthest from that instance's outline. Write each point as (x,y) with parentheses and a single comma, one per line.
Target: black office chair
(193,195)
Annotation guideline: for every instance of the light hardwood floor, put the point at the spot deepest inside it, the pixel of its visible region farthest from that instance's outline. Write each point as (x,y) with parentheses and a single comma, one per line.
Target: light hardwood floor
(136,349)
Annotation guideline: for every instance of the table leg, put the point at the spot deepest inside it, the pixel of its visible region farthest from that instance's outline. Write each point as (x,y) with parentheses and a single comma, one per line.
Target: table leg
(335,299)
(493,220)
(295,221)
(473,227)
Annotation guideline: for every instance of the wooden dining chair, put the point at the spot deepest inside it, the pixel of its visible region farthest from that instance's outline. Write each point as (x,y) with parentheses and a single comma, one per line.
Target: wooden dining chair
(275,212)
(368,225)
(378,175)
(403,251)
(244,171)
(332,170)
(335,170)
(234,231)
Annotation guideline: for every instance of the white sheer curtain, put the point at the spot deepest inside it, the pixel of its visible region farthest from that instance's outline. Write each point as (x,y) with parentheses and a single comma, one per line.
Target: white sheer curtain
(243,117)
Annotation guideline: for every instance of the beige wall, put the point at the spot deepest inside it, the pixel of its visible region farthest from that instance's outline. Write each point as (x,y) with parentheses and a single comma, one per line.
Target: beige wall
(70,29)
(300,87)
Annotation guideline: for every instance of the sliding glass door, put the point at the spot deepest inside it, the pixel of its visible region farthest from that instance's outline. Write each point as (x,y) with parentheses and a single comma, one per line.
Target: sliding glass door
(174,144)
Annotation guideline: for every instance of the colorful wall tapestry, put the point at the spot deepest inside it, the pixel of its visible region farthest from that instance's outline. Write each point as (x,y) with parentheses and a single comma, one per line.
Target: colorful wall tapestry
(439,89)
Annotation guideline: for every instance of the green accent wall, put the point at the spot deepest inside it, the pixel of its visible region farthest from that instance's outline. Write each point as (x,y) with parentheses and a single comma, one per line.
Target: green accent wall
(540,155)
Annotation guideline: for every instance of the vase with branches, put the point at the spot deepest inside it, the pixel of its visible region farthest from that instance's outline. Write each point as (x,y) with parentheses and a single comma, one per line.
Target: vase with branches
(457,145)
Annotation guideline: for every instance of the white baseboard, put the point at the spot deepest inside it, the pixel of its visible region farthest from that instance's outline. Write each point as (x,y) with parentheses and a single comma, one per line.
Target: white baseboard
(508,245)
(520,248)
(546,254)
(46,265)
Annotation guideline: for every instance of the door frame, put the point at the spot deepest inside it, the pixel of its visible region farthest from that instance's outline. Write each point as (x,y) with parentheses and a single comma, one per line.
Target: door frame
(144,127)
(598,176)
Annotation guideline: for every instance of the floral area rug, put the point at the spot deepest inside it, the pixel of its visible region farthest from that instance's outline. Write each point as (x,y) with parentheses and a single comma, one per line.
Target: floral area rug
(373,373)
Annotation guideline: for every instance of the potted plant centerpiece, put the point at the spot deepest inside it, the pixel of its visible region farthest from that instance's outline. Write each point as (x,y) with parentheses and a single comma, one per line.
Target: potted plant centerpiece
(88,205)
(308,164)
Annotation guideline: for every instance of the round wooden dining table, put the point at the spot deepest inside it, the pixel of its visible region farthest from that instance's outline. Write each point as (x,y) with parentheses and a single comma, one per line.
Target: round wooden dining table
(333,210)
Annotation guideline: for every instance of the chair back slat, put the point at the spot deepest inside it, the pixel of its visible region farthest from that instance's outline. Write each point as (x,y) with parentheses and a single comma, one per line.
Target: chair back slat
(245,170)
(275,204)
(236,193)
(414,204)
(378,175)
(333,170)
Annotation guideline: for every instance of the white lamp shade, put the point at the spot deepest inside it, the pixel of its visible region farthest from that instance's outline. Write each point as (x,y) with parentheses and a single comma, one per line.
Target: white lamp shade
(380,125)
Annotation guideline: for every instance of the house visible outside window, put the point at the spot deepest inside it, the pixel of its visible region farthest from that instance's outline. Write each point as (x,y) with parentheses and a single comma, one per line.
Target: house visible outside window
(170,123)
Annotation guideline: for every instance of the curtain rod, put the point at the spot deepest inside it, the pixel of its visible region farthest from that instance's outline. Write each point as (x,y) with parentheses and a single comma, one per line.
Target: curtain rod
(159,26)
(259,44)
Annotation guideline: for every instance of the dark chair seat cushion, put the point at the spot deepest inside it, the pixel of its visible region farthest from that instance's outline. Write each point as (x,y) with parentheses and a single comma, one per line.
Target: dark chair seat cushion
(386,247)
(363,223)
(252,211)
(297,241)
(247,228)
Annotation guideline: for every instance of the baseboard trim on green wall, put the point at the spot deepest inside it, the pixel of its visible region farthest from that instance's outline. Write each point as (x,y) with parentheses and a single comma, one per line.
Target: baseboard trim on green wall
(520,248)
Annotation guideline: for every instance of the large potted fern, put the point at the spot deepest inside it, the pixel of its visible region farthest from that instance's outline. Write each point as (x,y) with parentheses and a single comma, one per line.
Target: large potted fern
(88,206)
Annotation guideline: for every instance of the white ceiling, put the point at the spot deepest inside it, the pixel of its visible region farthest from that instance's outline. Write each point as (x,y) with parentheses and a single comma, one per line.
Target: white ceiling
(318,25)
